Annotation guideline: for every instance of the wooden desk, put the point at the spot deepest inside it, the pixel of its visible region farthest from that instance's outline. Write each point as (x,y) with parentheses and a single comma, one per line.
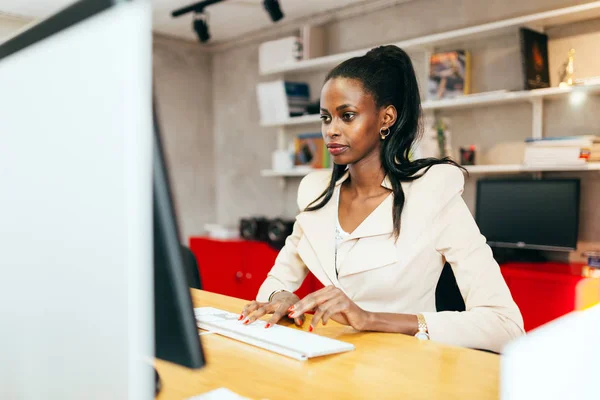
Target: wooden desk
(383,366)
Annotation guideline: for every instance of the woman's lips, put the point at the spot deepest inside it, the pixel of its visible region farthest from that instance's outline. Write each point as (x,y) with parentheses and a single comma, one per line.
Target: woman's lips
(336,149)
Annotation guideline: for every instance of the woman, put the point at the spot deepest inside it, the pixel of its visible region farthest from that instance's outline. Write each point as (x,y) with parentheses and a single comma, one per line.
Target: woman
(378,230)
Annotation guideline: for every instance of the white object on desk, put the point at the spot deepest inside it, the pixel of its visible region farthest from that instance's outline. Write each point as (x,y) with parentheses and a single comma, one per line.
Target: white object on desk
(219,394)
(289,342)
(558,360)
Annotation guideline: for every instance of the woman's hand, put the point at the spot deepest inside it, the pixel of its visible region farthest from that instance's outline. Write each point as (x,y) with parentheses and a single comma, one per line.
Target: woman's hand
(279,307)
(331,303)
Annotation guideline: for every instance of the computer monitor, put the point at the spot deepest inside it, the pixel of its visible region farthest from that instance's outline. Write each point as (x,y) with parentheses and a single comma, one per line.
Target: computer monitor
(176,334)
(529,214)
(76,210)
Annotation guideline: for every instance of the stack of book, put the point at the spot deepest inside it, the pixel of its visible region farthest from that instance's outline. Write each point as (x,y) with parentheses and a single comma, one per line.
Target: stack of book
(562,150)
(279,100)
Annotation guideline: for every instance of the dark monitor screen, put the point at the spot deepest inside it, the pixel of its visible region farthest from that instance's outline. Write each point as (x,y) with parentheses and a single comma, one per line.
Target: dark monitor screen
(176,334)
(531,214)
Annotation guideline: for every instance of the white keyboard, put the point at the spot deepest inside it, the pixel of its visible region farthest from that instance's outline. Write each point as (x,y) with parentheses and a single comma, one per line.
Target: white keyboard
(289,342)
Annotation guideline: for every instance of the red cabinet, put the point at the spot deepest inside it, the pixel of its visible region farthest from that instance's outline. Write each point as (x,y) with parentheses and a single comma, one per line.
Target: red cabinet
(543,291)
(238,267)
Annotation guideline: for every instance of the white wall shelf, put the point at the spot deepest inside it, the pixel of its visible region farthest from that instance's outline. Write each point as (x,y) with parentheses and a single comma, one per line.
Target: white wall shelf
(473,169)
(470,101)
(546,19)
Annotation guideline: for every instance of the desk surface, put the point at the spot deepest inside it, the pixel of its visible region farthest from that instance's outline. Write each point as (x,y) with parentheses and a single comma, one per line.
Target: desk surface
(383,366)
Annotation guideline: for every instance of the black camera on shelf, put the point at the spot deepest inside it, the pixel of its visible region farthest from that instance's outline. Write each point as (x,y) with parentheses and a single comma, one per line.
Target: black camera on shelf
(277,231)
(272,231)
(254,228)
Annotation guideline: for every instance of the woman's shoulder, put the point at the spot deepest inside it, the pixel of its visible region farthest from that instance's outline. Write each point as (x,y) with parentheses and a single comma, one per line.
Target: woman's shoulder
(311,187)
(441,176)
(436,187)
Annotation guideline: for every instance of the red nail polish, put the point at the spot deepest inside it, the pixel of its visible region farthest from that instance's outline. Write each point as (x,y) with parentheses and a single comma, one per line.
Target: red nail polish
(310,328)
(267,326)
(291,309)
(241,317)
(246,322)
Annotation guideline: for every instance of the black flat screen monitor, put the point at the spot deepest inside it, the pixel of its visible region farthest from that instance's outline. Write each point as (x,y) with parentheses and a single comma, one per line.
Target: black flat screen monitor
(529,214)
(176,333)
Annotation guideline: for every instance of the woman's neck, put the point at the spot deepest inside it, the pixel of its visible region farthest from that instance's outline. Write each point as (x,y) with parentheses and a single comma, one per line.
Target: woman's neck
(366,177)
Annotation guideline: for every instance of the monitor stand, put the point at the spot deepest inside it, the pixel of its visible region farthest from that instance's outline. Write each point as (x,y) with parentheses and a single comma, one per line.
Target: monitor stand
(157,382)
(504,255)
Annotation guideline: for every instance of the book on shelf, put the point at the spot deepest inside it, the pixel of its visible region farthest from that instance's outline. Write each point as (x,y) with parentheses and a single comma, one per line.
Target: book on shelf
(279,100)
(534,59)
(310,151)
(449,75)
(562,150)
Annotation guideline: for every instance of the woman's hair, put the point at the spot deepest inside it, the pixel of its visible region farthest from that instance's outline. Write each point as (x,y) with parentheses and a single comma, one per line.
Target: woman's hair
(386,72)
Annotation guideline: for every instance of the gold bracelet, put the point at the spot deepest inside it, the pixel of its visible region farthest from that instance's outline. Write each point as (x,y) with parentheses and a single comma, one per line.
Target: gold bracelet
(275,292)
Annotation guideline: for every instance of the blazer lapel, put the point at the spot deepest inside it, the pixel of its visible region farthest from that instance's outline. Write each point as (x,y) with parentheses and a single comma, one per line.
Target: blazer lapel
(319,230)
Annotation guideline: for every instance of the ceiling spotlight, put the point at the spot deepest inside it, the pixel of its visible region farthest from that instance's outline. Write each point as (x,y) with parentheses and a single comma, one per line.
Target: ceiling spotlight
(201,19)
(274,10)
(201,27)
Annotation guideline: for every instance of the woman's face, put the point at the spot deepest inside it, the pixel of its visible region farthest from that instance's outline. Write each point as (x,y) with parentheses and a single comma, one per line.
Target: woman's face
(350,121)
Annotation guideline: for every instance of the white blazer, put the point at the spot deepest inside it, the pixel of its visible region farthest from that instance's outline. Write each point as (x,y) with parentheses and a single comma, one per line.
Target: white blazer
(381,274)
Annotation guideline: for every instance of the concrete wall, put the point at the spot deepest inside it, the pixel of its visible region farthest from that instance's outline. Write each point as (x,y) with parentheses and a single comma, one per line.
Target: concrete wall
(183,75)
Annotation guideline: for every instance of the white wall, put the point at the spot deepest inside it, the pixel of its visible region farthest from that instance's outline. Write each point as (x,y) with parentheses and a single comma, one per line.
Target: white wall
(9,25)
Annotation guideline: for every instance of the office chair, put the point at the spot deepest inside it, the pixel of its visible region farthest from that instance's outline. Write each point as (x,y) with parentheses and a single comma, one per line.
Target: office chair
(191,268)
(447,293)
(448,297)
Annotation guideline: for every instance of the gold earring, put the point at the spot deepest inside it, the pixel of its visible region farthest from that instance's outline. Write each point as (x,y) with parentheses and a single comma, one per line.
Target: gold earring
(384,135)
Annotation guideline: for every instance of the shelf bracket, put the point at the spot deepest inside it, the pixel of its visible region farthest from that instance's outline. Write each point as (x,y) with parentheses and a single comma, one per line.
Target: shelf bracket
(282,183)
(281,142)
(538,118)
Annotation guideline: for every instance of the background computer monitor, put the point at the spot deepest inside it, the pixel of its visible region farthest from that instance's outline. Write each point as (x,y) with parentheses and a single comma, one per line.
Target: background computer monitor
(76,210)
(176,334)
(529,214)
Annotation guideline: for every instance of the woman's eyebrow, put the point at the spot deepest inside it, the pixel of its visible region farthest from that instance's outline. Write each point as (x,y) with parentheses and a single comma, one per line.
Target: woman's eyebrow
(338,108)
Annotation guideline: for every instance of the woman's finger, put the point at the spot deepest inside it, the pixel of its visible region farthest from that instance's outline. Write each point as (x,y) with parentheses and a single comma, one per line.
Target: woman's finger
(299,321)
(332,309)
(315,319)
(248,309)
(259,313)
(279,312)
(313,300)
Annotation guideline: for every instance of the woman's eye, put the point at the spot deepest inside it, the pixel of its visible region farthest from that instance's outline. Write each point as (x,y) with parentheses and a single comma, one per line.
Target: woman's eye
(325,118)
(348,116)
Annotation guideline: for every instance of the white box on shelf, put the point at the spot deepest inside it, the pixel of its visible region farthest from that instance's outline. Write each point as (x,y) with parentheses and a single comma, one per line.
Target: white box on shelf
(313,41)
(282,160)
(278,100)
(280,52)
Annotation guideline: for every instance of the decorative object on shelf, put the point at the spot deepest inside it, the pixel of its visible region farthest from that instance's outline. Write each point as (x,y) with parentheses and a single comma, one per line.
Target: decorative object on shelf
(467,155)
(449,75)
(310,151)
(534,59)
(279,100)
(282,160)
(277,232)
(436,138)
(254,228)
(567,70)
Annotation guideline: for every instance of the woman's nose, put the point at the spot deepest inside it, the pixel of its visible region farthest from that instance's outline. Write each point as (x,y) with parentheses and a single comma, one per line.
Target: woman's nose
(332,130)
